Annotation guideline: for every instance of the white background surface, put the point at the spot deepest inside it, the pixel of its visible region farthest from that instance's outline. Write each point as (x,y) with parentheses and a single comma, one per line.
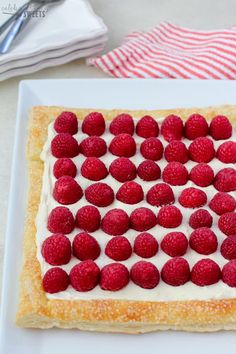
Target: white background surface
(121,17)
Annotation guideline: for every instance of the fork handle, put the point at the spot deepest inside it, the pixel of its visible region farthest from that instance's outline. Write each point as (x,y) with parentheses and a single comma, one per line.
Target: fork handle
(11,19)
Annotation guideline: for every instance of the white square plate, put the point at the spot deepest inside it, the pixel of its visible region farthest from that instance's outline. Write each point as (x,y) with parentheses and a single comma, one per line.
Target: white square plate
(108,93)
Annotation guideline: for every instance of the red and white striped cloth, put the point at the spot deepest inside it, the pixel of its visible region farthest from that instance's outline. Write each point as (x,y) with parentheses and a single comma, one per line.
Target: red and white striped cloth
(170,51)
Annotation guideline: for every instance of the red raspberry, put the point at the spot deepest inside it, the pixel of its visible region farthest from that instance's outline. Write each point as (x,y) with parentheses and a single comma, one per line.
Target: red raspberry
(85,247)
(64,167)
(118,248)
(88,218)
(201,150)
(176,151)
(123,123)
(114,277)
(130,193)
(172,128)
(56,250)
(229,273)
(94,124)
(220,128)
(195,126)
(85,275)
(205,272)
(61,220)
(225,180)
(67,190)
(123,145)
(200,218)
(55,280)
(145,274)
(123,169)
(160,194)
(148,170)
(222,203)
(115,222)
(169,216)
(228,247)
(227,152)
(94,169)
(192,198)
(147,127)
(202,175)
(64,145)
(175,174)
(142,219)
(99,194)
(227,223)
(93,146)
(174,244)
(66,122)
(176,271)
(145,245)
(152,149)
(203,241)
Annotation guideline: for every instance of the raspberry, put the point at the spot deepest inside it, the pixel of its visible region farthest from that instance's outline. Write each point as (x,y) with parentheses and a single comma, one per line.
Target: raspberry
(192,198)
(94,124)
(64,145)
(118,248)
(147,127)
(61,220)
(160,194)
(176,271)
(88,218)
(196,126)
(130,193)
(227,152)
(201,150)
(203,241)
(174,244)
(152,149)
(99,194)
(227,223)
(66,122)
(145,245)
(56,250)
(67,190)
(169,216)
(85,247)
(93,146)
(55,280)
(85,275)
(222,203)
(145,274)
(122,169)
(115,222)
(142,219)
(93,169)
(172,128)
(220,128)
(202,175)
(175,174)
(123,145)
(123,123)
(114,277)
(229,273)
(228,247)
(200,218)
(225,180)
(176,151)
(205,272)
(148,170)
(64,167)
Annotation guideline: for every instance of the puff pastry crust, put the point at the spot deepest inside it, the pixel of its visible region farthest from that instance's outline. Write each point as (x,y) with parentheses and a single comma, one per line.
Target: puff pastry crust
(36,310)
